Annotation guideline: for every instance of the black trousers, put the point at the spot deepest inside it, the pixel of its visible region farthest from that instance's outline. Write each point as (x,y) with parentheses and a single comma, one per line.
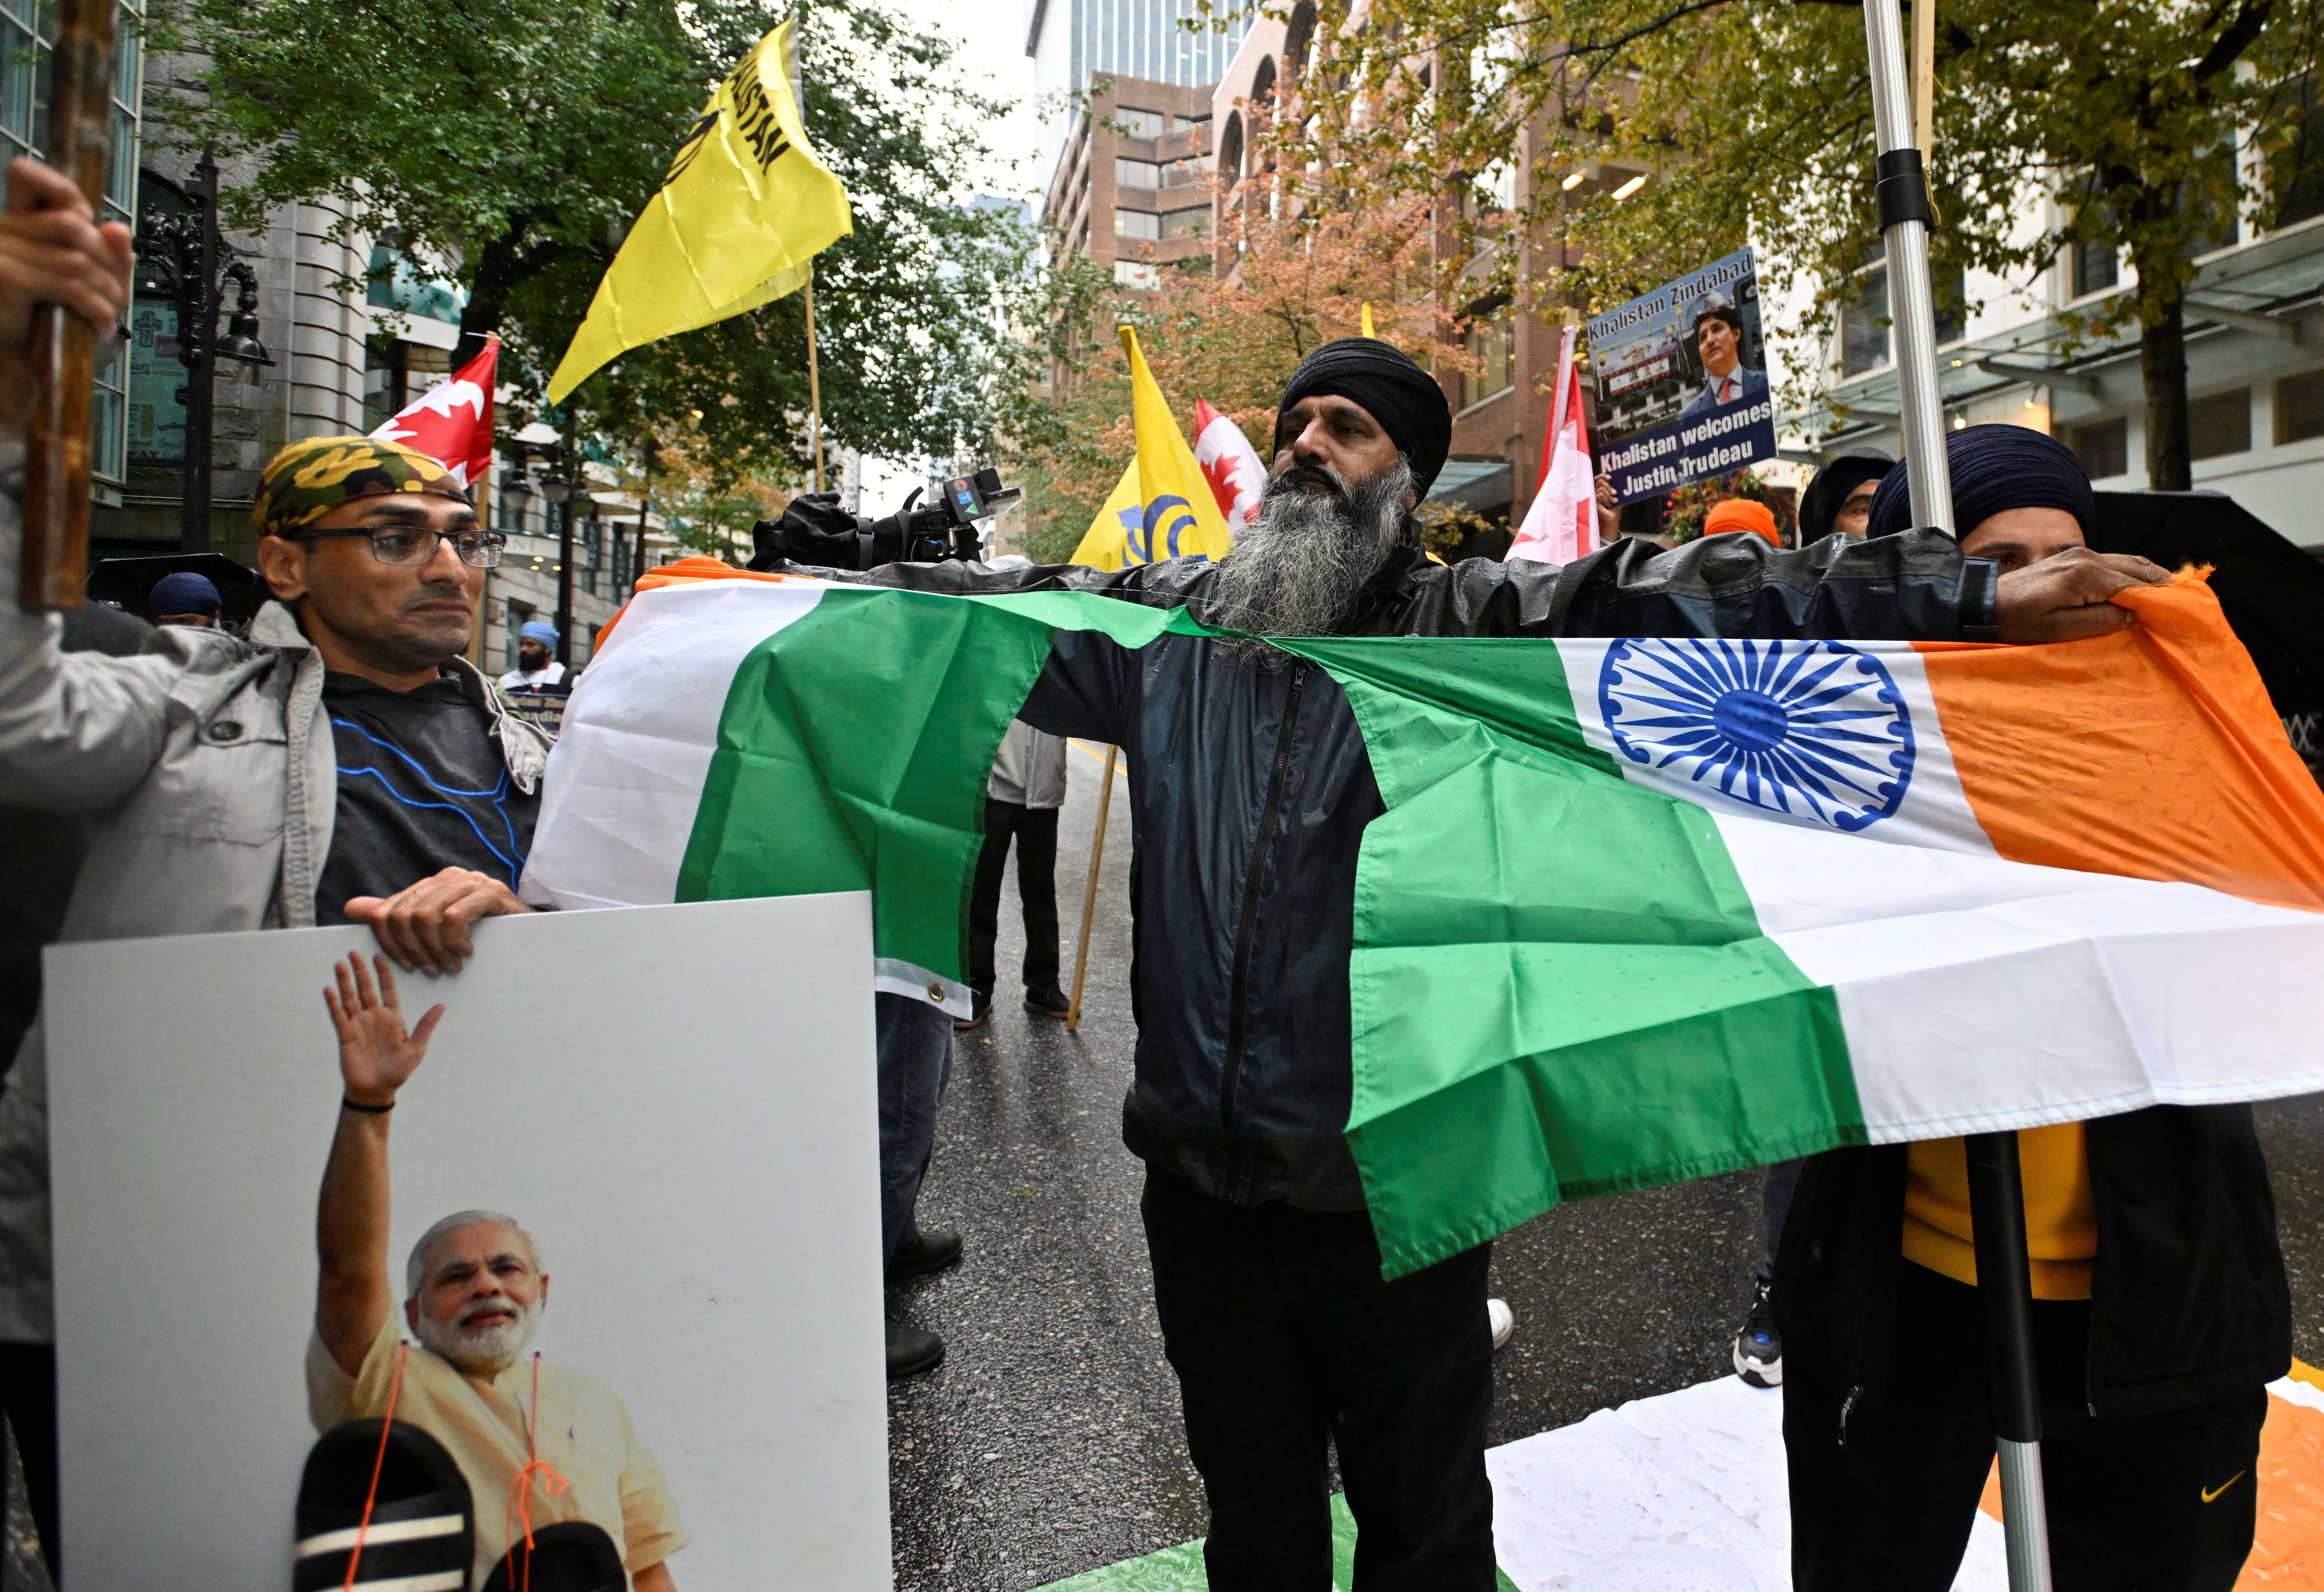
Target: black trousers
(1035,831)
(2136,1504)
(1286,1343)
(28,1394)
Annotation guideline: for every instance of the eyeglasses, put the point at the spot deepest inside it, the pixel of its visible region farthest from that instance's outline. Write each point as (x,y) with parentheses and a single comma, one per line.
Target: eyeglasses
(479,549)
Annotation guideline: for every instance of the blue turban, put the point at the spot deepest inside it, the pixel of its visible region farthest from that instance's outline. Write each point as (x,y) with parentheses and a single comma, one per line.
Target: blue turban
(1994,468)
(534,630)
(184,592)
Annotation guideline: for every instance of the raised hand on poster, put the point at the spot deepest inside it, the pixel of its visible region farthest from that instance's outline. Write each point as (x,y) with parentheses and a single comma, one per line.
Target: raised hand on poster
(376,1055)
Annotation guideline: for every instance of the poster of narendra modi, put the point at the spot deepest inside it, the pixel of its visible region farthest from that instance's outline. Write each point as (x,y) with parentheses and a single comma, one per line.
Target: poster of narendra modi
(560,1272)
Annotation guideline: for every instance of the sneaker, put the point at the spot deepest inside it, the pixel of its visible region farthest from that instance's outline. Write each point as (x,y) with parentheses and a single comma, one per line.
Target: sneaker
(979,1008)
(1048,1001)
(1760,1347)
(912,1351)
(1502,1320)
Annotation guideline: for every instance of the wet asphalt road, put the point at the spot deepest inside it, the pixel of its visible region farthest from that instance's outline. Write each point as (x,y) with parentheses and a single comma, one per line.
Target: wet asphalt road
(1049,1443)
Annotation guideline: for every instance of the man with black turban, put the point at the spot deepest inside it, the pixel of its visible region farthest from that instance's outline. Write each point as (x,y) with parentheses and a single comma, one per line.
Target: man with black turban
(1250,789)
(2161,1308)
(1839,500)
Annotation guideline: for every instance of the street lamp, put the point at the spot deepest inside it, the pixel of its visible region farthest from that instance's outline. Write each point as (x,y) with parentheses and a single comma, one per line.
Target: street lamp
(195,265)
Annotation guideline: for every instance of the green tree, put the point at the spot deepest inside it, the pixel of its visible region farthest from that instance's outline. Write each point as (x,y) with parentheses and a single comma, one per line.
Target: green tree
(519,140)
(1752,121)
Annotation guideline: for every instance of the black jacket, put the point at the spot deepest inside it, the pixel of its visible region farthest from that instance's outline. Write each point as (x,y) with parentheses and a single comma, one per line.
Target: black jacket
(1250,788)
(2188,1303)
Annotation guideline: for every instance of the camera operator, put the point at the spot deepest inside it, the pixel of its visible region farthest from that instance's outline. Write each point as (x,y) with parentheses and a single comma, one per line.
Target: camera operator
(1250,788)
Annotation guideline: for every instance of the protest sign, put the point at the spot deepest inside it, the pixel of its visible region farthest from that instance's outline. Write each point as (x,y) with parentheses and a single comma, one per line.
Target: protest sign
(676,1107)
(1681,380)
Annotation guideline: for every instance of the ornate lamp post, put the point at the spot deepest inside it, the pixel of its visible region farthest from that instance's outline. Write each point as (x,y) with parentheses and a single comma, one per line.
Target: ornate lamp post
(196,264)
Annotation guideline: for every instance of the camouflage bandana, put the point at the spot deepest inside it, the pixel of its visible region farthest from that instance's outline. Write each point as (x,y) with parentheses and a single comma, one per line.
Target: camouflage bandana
(307,480)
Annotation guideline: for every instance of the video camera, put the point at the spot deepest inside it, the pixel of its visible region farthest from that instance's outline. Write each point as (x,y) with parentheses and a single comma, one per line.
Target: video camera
(951,527)
(815,530)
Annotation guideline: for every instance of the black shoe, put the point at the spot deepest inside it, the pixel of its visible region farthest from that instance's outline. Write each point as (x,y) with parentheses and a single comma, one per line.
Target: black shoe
(912,1351)
(925,1252)
(1760,1347)
(1048,1001)
(979,1008)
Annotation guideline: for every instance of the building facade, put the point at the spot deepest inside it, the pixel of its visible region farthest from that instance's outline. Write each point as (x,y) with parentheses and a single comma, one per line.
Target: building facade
(2255,328)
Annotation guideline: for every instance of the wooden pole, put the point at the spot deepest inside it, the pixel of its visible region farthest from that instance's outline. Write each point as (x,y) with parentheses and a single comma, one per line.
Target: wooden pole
(60,432)
(814,382)
(1089,892)
(1925,76)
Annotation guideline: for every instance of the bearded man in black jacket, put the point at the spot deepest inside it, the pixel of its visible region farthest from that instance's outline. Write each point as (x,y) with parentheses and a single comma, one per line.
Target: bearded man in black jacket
(1250,790)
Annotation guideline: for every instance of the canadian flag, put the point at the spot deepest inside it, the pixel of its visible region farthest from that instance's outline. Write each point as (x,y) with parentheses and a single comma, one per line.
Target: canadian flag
(1562,523)
(452,421)
(1229,464)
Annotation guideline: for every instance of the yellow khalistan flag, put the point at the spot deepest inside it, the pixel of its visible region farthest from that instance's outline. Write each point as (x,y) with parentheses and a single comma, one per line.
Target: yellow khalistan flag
(745,207)
(1163,507)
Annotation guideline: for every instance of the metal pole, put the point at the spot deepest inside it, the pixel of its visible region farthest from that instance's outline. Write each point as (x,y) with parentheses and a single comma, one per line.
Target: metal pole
(645,507)
(200,340)
(1902,196)
(1089,892)
(1996,1196)
(1997,1206)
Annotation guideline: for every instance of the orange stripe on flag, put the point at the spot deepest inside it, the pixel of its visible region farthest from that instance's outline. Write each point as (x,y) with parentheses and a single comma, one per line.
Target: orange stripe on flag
(2198,784)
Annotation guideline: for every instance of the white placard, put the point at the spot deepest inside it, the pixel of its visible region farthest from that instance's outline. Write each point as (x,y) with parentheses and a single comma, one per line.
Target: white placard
(678,1101)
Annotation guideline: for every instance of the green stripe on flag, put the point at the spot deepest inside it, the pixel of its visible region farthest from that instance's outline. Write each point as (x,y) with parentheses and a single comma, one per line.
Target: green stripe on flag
(854,746)
(1559,987)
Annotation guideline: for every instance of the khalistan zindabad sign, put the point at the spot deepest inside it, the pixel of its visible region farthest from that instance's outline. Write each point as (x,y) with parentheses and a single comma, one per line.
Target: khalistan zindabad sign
(1681,380)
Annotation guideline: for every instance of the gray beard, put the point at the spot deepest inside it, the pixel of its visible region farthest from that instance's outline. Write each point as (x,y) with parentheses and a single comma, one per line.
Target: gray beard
(1299,569)
(486,1352)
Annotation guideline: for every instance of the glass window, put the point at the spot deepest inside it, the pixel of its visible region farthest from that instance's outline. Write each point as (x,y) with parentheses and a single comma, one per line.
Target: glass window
(2219,424)
(2299,407)
(1141,123)
(1136,224)
(2104,448)
(2095,268)
(157,414)
(27,31)
(1136,173)
(520,614)
(1177,173)
(1492,339)
(1186,224)
(1864,324)
(2298,169)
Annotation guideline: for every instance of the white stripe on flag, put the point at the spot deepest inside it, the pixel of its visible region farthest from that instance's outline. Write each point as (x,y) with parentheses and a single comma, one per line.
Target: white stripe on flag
(1644,675)
(2124,992)
(625,781)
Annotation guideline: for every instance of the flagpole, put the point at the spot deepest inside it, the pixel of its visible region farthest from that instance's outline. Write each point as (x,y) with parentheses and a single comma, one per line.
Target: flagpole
(1996,1185)
(814,382)
(1089,892)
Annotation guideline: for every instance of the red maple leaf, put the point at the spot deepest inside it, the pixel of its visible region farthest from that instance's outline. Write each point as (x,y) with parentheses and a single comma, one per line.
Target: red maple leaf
(1219,473)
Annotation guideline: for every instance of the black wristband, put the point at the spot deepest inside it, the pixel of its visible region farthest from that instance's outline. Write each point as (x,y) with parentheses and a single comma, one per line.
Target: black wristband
(347,1104)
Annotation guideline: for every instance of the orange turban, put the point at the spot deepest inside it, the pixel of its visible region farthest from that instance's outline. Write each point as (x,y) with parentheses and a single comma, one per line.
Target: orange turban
(1740,513)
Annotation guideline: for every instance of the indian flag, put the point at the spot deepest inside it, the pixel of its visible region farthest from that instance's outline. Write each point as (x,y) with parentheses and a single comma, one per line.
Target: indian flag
(1639,911)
